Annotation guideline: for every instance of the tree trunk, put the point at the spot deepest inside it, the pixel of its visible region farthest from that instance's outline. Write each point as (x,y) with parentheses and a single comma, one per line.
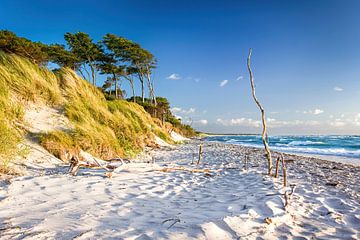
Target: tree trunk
(133,89)
(116,86)
(110,91)
(87,72)
(142,87)
(264,138)
(82,74)
(132,86)
(93,75)
(151,87)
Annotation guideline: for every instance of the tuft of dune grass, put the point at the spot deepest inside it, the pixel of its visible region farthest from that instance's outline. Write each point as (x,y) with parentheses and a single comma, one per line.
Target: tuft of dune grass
(104,128)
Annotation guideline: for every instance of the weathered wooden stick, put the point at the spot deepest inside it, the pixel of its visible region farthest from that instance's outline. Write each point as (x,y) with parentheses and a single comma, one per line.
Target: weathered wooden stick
(264,134)
(286,199)
(284,169)
(187,170)
(200,154)
(246,161)
(277,167)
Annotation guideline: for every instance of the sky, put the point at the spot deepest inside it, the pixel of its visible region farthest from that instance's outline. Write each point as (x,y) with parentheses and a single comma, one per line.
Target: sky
(306,56)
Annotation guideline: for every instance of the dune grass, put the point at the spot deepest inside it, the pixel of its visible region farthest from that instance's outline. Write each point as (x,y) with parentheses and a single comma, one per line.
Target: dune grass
(103,128)
(28,81)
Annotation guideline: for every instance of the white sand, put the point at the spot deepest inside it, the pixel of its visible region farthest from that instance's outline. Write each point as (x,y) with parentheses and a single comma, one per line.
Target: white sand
(42,118)
(140,202)
(177,137)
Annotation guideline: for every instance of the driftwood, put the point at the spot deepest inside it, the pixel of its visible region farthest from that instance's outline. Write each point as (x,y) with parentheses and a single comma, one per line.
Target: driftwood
(277,167)
(185,169)
(264,134)
(246,159)
(76,164)
(281,158)
(287,195)
(200,154)
(174,221)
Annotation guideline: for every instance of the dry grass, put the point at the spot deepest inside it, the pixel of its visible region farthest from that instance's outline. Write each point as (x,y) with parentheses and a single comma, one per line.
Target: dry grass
(103,128)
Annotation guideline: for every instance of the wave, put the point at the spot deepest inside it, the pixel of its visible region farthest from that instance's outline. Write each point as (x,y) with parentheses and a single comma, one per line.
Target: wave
(322,151)
(342,146)
(302,143)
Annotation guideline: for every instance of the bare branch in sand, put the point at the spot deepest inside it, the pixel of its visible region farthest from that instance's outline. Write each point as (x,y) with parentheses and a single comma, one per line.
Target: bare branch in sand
(264,134)
(246,159)
(284,169)
(187,170)
(175,220)
(76,164)
(200,154)
(277,167)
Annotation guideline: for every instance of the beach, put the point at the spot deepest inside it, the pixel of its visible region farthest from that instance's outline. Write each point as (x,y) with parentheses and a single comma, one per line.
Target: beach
(164,194)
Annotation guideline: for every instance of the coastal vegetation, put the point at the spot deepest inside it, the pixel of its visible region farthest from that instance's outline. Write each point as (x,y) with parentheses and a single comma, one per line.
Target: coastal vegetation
(102,121)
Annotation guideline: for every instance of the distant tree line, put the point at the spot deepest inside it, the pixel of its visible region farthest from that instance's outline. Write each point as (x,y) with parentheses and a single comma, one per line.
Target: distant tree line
(115,56)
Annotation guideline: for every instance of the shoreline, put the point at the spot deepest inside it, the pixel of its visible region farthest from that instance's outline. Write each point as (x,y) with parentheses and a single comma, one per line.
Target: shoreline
(331,158)
(144,201)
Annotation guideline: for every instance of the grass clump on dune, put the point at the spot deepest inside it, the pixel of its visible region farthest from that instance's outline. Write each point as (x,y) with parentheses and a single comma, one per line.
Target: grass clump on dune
(20,82)
(28,81)
(104,128)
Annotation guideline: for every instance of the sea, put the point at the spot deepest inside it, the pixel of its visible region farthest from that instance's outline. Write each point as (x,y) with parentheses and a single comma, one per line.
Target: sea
(330,147)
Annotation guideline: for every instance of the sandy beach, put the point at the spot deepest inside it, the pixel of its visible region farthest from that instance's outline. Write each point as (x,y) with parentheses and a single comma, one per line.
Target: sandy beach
(163,200)
(179,120)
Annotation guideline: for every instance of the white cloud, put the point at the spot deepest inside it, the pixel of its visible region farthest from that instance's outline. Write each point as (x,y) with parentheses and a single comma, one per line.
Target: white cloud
(239,122)
(191,110)
(318,111)
(201,122)
(272,122)
(337,123)
(315,112)
(351,121)
(175,110)
(174,76)
(338,89)
(223,83)
(197,80)
(239,78)
(357,120)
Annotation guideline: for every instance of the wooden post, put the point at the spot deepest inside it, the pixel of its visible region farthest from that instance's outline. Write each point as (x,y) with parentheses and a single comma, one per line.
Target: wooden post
(200,153)
(246,158)
(277,167)
(284,169)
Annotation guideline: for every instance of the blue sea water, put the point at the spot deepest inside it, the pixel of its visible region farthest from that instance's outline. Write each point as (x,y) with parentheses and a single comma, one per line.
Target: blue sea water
(327,145)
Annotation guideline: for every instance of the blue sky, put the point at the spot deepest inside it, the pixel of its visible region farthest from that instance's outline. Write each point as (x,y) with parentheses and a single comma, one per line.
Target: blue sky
(306,56)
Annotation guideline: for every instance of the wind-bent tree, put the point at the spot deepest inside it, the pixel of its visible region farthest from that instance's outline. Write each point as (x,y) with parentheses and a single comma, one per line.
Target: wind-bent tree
(143,61)
(83,47)
(114,60)
(10,43)
(264,134)
(59,55)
